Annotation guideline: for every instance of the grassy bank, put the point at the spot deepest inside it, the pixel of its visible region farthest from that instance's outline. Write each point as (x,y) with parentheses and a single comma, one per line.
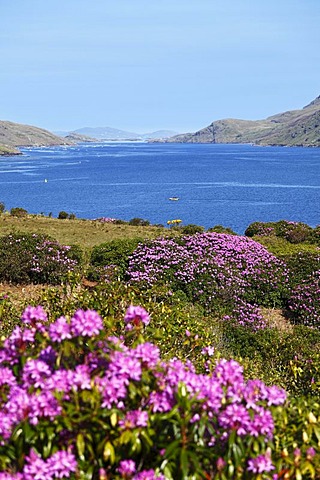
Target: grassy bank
(86,233)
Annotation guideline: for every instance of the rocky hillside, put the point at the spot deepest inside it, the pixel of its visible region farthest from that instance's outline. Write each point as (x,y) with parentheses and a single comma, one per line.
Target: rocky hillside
(292,128)
(14,135)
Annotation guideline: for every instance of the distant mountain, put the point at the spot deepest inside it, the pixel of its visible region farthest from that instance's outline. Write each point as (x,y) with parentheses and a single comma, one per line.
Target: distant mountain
(78,138)
(14,135)
(108,133)
(159,134)
(292,128)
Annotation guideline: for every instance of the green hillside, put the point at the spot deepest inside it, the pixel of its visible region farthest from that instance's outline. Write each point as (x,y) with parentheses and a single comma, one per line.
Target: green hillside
(292,128)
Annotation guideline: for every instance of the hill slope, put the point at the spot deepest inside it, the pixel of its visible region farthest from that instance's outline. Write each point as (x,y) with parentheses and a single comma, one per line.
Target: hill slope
(17,135)
(292,128)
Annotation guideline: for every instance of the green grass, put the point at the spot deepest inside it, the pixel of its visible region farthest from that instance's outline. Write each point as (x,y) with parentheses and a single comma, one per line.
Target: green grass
(86,233)
(281,247)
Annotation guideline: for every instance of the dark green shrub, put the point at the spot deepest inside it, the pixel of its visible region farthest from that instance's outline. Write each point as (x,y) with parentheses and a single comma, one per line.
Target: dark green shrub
(301,265)
(63,215)
(288,357)
(222,229)
(192,229)
(296,232)
(115,253)
(2,207)
(71,216)
(118,221)
(260,228)
(293,232)
(18,212)
(315,235)
(33,258)
(139,222)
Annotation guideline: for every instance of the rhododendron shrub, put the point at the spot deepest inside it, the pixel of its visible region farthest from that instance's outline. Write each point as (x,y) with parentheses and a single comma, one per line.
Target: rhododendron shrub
(33,258)
(304,301)
(77,403)
(219,270)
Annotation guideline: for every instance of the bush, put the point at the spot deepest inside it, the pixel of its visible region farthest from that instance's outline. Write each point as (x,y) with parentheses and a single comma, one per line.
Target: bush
(289,358)
(221,229)
(139,222)
(18,212)
(192,229)
(63,215)
(213,269)
(260,229)
(77,403)
(301,265)
(304,301)
(90,404)
(115,253)
(2,207)
(294,232)
(33,258)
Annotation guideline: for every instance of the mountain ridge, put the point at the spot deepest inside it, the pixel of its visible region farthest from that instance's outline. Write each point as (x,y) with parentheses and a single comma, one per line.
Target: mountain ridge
(14,135)
(290,128)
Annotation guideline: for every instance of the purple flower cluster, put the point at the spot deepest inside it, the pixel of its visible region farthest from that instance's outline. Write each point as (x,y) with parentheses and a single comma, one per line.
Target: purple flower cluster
(136,315)
(231,269)
(49,383)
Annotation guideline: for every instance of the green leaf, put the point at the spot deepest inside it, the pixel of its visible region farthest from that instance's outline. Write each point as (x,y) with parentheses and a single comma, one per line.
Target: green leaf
(184,463)
(109,453)
(80,445)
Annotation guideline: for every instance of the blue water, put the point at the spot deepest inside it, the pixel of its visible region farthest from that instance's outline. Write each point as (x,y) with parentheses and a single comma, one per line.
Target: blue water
(231,185)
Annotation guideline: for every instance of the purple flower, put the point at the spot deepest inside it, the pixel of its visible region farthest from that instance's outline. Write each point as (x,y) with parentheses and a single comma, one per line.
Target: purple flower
(86,323)
(136,315)
(35,372)
(61,464)
(148,353)
(127,468)
(59,330)
(32,314)
(260,464)
(133,419)
(36,468)
(310,453)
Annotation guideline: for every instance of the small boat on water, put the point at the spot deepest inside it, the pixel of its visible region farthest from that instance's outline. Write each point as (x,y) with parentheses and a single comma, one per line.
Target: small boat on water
(174,198)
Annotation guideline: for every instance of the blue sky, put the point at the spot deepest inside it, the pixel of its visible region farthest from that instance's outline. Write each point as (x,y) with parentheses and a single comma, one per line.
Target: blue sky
(143,65)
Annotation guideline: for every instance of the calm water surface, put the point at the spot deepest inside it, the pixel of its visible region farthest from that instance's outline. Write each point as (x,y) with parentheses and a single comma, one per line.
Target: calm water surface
(231,185)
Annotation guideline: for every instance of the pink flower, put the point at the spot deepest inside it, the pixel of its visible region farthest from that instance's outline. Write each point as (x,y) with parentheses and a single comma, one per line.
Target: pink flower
(136,315)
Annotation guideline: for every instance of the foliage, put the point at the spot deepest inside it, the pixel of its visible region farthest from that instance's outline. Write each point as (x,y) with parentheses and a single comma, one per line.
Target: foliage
(222,229)
(139,222)
(114,254)
(301,265)
(192,229)
(179,328)
(98,404)
(2,207)
(294,232)
(86,233)
(304,301)
(32,258)
(63,215)
(18,212)
(222,272)
(289,358)
(296,440)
